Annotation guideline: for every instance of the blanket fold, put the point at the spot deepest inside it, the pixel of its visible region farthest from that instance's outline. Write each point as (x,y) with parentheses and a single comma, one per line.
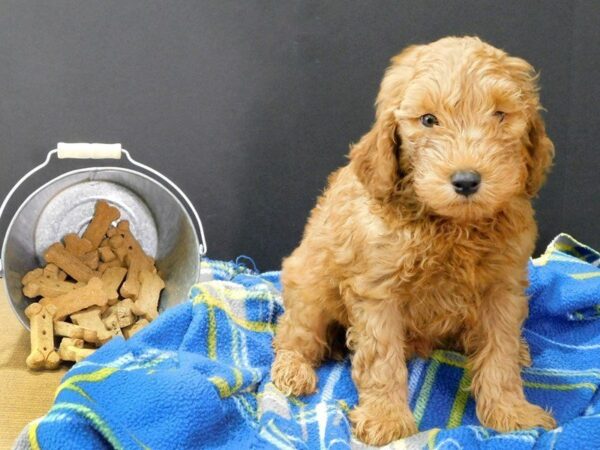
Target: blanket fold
(198,377)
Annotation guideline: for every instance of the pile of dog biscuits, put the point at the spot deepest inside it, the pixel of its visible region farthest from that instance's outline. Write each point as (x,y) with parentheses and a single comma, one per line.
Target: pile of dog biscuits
(93,287)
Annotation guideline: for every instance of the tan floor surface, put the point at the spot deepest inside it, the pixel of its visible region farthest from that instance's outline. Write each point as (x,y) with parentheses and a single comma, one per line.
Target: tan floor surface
(24,395)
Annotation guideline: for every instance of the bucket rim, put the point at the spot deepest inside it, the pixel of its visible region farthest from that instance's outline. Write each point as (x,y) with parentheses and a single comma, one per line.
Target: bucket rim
(71,173)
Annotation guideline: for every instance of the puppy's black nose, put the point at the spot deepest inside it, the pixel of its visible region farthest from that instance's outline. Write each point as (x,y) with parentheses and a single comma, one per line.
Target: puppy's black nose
(466,183)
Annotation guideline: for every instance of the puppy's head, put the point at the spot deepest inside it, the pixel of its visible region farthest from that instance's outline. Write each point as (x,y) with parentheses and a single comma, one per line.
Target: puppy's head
(458,127)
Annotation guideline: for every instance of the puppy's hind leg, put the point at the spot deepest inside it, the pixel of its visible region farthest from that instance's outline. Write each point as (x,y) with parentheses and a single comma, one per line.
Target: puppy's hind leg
(301,341)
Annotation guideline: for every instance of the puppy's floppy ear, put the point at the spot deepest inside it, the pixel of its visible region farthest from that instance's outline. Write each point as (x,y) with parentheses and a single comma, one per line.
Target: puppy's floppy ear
(375,157)
(540,149)
(540,153)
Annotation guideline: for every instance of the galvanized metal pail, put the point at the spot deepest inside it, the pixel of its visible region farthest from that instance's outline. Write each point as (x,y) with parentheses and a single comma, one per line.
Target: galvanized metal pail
(157,216)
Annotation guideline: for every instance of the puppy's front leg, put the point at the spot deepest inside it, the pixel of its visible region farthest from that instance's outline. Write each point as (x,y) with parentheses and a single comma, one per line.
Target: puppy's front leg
(495,365)
(376,336)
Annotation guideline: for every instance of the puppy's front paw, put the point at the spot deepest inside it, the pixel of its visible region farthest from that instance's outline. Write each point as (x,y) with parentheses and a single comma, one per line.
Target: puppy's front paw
(292,374)
(518,416)
(381,423)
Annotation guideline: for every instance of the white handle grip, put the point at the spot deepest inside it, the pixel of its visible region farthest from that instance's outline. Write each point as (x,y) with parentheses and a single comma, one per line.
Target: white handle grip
(83,150)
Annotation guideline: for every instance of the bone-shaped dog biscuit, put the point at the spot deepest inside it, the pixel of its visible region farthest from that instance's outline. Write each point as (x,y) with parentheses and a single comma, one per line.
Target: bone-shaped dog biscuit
(119,248)
(43,355)
(122,241)
(123,312)
(146,305)
(127,248)
(71,342)
(136,264)
(125,315)
(90,318)
(83,297)
(32,276)
(73,331)
(133,329)
(52,272)
(72,350)
(91,259)
(69,263)
(104,215)
(122,237)
(103,266)
(111,323)
(46,283)
(106,254)
(82,249)
(64,348)
(77,246)
(112,279)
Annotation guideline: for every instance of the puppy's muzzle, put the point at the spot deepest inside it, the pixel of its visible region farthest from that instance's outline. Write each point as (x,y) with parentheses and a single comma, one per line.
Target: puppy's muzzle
(466,182)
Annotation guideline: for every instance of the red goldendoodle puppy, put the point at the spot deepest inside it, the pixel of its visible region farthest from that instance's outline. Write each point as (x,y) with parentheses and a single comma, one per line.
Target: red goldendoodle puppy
(422,240)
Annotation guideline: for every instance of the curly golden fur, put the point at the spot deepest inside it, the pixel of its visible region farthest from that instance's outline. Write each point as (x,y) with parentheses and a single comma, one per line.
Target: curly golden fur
(406,264)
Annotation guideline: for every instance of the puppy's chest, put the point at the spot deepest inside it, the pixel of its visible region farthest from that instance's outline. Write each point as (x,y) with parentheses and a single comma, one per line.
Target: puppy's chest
(448,265)
(442,310)
(440,286)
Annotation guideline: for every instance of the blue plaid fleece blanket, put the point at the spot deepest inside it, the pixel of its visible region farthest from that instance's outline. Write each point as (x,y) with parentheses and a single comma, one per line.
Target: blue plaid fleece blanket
(198,377)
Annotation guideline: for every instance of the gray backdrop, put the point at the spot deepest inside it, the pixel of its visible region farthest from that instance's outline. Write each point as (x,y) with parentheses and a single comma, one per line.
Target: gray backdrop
(249,105)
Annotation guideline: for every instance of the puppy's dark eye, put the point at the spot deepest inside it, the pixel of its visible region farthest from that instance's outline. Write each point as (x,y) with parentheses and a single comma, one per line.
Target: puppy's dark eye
(500,115)
(429,120)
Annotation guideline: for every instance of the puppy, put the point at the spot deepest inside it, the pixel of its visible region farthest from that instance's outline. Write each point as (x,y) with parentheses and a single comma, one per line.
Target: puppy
(422,240)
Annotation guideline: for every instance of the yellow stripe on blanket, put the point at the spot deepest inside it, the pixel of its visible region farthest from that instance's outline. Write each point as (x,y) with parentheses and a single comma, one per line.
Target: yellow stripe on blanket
(560,386)
(224,389)
(206,299)
(32,434)
(460,401)
(92,377)
(99,424)
(212,333)
(586,275)
(431,438)
(457,360)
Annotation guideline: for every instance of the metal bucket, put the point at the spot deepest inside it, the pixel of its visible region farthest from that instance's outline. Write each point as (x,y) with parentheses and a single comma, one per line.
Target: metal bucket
(157,216)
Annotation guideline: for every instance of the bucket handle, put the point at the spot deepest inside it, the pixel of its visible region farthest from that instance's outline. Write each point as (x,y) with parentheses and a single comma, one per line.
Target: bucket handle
(103,151)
